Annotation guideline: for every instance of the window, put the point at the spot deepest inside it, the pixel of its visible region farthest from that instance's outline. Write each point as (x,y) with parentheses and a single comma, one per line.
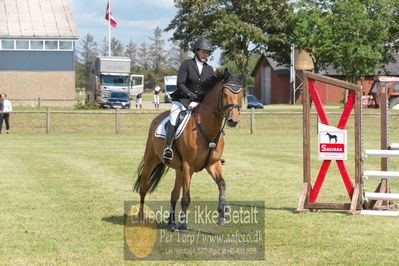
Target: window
(66,45)
(7,44)
(51,45)
(119,81)
(396,88)
(22,45)
(36,45)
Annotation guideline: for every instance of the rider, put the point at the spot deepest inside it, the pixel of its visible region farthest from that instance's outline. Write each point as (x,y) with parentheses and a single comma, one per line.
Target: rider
(190,78)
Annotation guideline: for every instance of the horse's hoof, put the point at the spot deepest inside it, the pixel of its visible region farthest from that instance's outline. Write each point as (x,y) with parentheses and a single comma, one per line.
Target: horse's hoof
(182,228)
(172,227)
(221,221)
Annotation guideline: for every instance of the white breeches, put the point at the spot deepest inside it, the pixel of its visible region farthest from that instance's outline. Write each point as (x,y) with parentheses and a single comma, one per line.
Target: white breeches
(177,107)
(156,99)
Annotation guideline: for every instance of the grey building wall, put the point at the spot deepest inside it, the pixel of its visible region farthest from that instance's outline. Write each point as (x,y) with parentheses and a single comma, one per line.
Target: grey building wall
(37,61)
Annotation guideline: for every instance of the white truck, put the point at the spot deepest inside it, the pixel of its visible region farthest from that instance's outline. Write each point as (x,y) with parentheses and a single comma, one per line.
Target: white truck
(170,83)
(106,74)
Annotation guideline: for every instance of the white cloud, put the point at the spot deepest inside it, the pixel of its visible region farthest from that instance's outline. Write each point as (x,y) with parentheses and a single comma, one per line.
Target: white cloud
(148,24)
(161,3)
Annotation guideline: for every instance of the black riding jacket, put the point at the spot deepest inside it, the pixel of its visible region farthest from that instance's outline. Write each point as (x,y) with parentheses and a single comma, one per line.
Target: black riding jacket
(190,83)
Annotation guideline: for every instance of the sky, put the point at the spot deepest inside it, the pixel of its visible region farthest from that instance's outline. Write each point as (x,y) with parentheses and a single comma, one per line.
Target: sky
(136,20)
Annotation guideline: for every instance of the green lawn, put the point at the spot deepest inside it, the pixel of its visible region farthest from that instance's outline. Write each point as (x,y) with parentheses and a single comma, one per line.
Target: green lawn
(62,194)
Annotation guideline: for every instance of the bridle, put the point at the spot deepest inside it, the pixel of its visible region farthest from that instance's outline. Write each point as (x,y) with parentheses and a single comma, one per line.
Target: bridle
(234,85)
(234,88)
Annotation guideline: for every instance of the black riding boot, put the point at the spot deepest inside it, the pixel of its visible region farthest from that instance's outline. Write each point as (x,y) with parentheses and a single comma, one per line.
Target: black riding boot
(170,136)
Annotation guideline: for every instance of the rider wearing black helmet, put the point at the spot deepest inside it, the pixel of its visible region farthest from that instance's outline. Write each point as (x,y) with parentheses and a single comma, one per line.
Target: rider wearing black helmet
(190,78)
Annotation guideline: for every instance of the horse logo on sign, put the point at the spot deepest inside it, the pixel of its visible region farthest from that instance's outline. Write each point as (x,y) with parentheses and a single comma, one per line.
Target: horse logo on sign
(332,143)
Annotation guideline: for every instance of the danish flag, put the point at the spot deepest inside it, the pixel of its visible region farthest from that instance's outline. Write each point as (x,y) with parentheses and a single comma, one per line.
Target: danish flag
(109,17)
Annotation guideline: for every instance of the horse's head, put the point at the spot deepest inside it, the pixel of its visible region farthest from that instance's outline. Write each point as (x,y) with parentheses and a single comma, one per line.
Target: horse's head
(231,95)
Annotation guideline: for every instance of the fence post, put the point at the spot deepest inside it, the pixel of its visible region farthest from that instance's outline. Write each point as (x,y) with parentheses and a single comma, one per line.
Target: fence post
(48,120)
(252,121)
(117,120)
(38,102)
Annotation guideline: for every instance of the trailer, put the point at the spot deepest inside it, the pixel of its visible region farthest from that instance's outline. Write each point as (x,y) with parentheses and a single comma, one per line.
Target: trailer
(106,74)
(170,83)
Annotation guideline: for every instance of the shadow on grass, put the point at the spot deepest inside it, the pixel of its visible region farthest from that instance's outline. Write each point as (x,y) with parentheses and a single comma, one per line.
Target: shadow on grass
(115,219)
(286,209)
(120,220)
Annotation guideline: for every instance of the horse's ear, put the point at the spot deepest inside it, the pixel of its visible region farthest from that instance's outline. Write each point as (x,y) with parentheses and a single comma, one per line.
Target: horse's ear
(226,73)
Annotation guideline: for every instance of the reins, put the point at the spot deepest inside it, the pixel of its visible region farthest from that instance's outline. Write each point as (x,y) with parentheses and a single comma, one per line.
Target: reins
(212,143)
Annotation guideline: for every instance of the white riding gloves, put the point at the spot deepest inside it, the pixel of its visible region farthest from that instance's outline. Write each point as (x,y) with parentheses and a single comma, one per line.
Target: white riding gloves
(192,105)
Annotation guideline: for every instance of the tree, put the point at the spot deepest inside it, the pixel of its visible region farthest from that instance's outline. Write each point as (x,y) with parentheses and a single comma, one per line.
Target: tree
(177,54)
(239,27)
(157,51)
(89,49)
(226,63)
(86,53)
(143,55)
(116,47)
(361,41)
(354,36)
(80,75)
(131,52)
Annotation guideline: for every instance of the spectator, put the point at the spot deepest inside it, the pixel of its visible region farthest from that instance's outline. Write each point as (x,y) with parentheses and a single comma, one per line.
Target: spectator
(5,107)
(138,100)
(157,90)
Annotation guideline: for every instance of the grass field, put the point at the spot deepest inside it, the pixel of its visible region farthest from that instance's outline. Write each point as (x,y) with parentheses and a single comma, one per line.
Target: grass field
(62,194)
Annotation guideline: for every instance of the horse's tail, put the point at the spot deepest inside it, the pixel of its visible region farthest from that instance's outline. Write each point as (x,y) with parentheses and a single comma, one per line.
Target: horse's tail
(157,173)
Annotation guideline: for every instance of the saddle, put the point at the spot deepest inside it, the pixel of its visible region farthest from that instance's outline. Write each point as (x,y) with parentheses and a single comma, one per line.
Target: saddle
(182,120)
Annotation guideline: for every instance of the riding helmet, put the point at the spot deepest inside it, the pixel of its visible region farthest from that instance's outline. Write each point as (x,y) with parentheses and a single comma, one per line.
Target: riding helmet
(202,44)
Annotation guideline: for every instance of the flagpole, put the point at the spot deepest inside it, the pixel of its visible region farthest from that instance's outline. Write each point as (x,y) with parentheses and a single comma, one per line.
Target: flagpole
(109,28)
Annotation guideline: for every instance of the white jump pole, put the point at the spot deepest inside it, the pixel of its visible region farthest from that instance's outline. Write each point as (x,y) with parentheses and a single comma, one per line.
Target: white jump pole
(381,196)
(381,153)
(394,146)
(381,174)
(380,213)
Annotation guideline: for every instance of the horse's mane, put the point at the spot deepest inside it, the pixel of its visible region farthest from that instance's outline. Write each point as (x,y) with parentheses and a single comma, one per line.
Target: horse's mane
(233,82)
(211,82)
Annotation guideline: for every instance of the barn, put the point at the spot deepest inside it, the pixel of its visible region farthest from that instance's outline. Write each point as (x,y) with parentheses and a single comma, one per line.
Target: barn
(37,51)
(272,82)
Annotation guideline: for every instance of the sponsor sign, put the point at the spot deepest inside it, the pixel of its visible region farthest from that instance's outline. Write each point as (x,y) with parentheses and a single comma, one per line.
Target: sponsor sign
(332,143)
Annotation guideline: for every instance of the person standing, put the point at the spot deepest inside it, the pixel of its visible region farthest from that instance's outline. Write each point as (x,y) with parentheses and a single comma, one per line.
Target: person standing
(1,111)
(157,90)
(192,75)
(6,109)
(138,100)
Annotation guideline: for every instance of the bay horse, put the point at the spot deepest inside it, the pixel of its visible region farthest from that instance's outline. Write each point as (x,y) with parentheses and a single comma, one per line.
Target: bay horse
(199,146)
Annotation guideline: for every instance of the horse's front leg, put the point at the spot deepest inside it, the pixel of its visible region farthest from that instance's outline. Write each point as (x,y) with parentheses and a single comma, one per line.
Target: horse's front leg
(215,171)
(174,197)
(185,201)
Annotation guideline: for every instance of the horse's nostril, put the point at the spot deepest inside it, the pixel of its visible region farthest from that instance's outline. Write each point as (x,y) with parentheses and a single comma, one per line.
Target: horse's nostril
(231,122)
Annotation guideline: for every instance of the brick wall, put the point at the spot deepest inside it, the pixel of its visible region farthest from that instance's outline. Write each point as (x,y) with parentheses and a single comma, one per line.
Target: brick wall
(31,85)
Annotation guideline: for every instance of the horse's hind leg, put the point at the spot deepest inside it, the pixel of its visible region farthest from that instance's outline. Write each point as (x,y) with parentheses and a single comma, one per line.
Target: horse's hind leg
(215,171)
(174,197)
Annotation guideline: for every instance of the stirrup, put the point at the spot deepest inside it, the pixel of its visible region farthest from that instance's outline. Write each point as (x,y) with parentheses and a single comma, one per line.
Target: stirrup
(168,154)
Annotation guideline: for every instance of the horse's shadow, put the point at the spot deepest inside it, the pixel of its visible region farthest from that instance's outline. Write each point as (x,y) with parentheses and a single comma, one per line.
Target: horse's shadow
(115,219)
(121,220)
